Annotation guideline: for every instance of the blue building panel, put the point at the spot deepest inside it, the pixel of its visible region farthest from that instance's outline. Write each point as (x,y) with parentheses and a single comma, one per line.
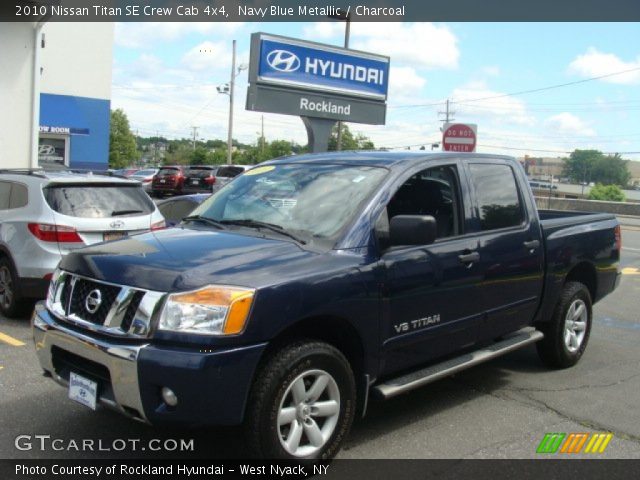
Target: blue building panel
(86,121)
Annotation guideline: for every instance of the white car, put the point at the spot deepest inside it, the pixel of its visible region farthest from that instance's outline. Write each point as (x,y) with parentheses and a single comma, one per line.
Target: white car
(145,177)
(44,215)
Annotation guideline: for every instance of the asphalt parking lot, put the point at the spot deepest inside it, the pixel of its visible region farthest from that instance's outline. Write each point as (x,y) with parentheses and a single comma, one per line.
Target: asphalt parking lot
(501,409)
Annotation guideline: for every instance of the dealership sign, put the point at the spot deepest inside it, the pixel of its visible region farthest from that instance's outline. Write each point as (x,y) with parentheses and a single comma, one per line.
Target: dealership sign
(64,130)
(314,80)
(323,68)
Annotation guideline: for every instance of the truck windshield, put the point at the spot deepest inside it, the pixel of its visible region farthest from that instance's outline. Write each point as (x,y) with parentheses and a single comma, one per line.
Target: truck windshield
(311,201)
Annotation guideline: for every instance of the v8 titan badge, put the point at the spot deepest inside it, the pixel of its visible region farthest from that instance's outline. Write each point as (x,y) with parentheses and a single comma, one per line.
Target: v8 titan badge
(83,390)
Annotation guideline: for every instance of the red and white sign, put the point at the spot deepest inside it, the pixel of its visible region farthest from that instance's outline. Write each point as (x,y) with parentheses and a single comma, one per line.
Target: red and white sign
(459,137)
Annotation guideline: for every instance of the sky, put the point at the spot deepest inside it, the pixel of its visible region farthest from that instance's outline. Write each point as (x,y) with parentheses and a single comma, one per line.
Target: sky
(165,77)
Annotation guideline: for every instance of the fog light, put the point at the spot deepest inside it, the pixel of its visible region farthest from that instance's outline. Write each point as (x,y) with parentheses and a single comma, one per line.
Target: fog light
(169,397)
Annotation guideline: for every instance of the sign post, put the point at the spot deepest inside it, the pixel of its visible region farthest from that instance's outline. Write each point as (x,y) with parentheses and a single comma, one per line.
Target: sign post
(320,83)
(459,137)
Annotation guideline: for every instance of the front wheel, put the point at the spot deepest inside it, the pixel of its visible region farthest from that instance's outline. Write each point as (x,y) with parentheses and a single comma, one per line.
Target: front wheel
(567,334)
(302,404)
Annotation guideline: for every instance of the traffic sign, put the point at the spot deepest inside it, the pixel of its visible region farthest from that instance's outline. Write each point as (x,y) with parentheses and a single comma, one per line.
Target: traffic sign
(459,137)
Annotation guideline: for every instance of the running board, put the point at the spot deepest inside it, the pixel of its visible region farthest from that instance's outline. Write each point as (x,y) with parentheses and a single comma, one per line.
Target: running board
(396,386)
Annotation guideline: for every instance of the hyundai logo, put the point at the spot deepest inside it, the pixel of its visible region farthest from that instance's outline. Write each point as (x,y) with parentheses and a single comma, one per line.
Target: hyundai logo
(93,301)
(283,61)
(117,224)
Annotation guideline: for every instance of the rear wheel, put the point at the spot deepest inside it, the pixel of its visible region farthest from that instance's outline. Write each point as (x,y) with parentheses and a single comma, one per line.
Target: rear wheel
(10,301)
(567,334)
(302,404)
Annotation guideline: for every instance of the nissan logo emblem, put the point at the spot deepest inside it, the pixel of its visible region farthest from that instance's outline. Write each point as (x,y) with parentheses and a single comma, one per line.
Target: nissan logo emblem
(283,61)
(93,301)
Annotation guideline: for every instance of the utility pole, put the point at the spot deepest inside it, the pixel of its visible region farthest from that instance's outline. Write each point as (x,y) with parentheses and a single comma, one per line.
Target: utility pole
(195,135)
(262,136)
(448,113)
(231,85)
(342,15)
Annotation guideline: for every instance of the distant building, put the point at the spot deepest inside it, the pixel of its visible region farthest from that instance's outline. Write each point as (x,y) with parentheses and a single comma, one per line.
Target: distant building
(70,65)
(543,167)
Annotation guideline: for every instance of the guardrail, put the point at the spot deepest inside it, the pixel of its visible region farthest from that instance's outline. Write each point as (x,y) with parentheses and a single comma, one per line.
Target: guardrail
(580,205)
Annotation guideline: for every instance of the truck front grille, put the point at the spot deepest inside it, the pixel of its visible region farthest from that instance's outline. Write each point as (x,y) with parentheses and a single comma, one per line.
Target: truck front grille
(104,307)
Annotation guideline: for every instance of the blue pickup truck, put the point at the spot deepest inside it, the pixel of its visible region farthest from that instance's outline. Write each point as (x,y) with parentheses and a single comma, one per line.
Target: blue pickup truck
(310,283)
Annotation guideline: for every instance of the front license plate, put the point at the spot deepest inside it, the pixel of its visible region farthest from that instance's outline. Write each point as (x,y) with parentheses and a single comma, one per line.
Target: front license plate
(163,181)
(83,390)
(107,236)
(195,182)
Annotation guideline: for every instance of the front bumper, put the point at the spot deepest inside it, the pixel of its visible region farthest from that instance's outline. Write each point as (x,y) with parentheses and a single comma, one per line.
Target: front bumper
(211,385)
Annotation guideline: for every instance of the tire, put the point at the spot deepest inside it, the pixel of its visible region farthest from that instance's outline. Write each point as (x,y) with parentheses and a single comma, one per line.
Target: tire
(283,401)
(11,304)
(567,334)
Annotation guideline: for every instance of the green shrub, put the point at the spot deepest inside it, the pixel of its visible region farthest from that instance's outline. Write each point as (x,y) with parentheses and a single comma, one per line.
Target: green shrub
(611,193)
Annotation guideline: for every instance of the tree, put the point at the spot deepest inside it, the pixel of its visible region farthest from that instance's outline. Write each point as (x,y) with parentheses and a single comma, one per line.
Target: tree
(594,166)
(122,143)
(349,142)
(611,193)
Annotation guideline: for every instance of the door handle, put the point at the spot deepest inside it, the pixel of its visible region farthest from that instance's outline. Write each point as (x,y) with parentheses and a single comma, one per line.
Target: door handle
(469,258)
(531,244)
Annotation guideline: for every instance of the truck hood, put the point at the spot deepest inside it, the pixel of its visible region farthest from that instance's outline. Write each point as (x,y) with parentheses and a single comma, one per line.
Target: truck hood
(184,258)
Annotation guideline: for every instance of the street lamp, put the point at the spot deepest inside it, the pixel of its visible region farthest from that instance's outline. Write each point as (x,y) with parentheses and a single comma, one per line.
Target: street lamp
(342,14)
(228,89)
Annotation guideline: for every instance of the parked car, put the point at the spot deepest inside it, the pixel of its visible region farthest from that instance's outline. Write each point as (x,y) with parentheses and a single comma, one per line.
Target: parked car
(199,179)
(226,173)
(168,180)
(392,270)
(176,208)
(145,177)
(45,215)
(125,172)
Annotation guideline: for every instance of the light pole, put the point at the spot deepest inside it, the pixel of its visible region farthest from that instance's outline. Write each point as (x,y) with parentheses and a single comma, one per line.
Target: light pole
(341,14)
(228,89)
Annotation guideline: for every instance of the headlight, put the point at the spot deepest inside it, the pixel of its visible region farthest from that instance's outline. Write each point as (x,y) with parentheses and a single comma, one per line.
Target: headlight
(52,293)
(212,310)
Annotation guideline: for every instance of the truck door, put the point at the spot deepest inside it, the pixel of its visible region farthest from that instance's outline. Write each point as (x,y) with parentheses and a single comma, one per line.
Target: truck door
(430,295)
(509,246)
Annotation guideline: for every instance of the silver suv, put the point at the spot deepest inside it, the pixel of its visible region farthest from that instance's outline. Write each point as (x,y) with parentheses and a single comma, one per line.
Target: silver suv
(44,215)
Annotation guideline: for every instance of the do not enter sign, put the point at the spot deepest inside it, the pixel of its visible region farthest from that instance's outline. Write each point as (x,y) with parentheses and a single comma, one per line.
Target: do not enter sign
(459,137)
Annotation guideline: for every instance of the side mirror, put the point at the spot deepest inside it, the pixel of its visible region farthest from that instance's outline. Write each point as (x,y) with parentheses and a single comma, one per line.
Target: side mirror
(412,230)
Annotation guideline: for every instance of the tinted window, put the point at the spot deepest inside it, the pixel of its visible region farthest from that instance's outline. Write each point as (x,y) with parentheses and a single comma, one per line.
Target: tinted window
(200,172)
(182,208)
(497,195)
(168,171)
(5,193)
(98,201)
(18,196)
(229,171)
(431,192)
(144,173)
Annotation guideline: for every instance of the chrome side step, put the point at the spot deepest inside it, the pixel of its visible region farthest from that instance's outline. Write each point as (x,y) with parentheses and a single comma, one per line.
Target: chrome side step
(405,383)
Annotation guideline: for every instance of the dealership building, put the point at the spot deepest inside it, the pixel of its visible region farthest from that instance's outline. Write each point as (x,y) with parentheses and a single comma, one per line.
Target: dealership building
(55,88)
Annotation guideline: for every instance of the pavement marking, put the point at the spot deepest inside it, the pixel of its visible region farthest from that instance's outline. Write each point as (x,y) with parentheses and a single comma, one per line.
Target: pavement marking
(10,340)
(632,249)
(631,271)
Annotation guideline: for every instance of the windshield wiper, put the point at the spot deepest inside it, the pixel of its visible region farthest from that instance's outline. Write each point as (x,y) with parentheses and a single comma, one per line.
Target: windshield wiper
(207,220)
(270,226)
(115,213)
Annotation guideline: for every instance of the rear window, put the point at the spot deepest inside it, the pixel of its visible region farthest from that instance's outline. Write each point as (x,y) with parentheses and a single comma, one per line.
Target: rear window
(229,171)
(497,194)
(168,171)
(98,200)
(200,172)
(141,173)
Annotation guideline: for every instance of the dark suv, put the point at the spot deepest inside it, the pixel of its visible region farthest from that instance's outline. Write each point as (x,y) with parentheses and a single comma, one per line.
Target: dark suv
(199,178)
(169,180)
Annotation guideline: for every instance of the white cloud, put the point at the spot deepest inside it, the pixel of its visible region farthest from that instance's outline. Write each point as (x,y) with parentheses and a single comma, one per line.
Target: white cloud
(594,63)
(148,34)
(404,82)
(491,71)
(568,124)
(495,108)
(421,45)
